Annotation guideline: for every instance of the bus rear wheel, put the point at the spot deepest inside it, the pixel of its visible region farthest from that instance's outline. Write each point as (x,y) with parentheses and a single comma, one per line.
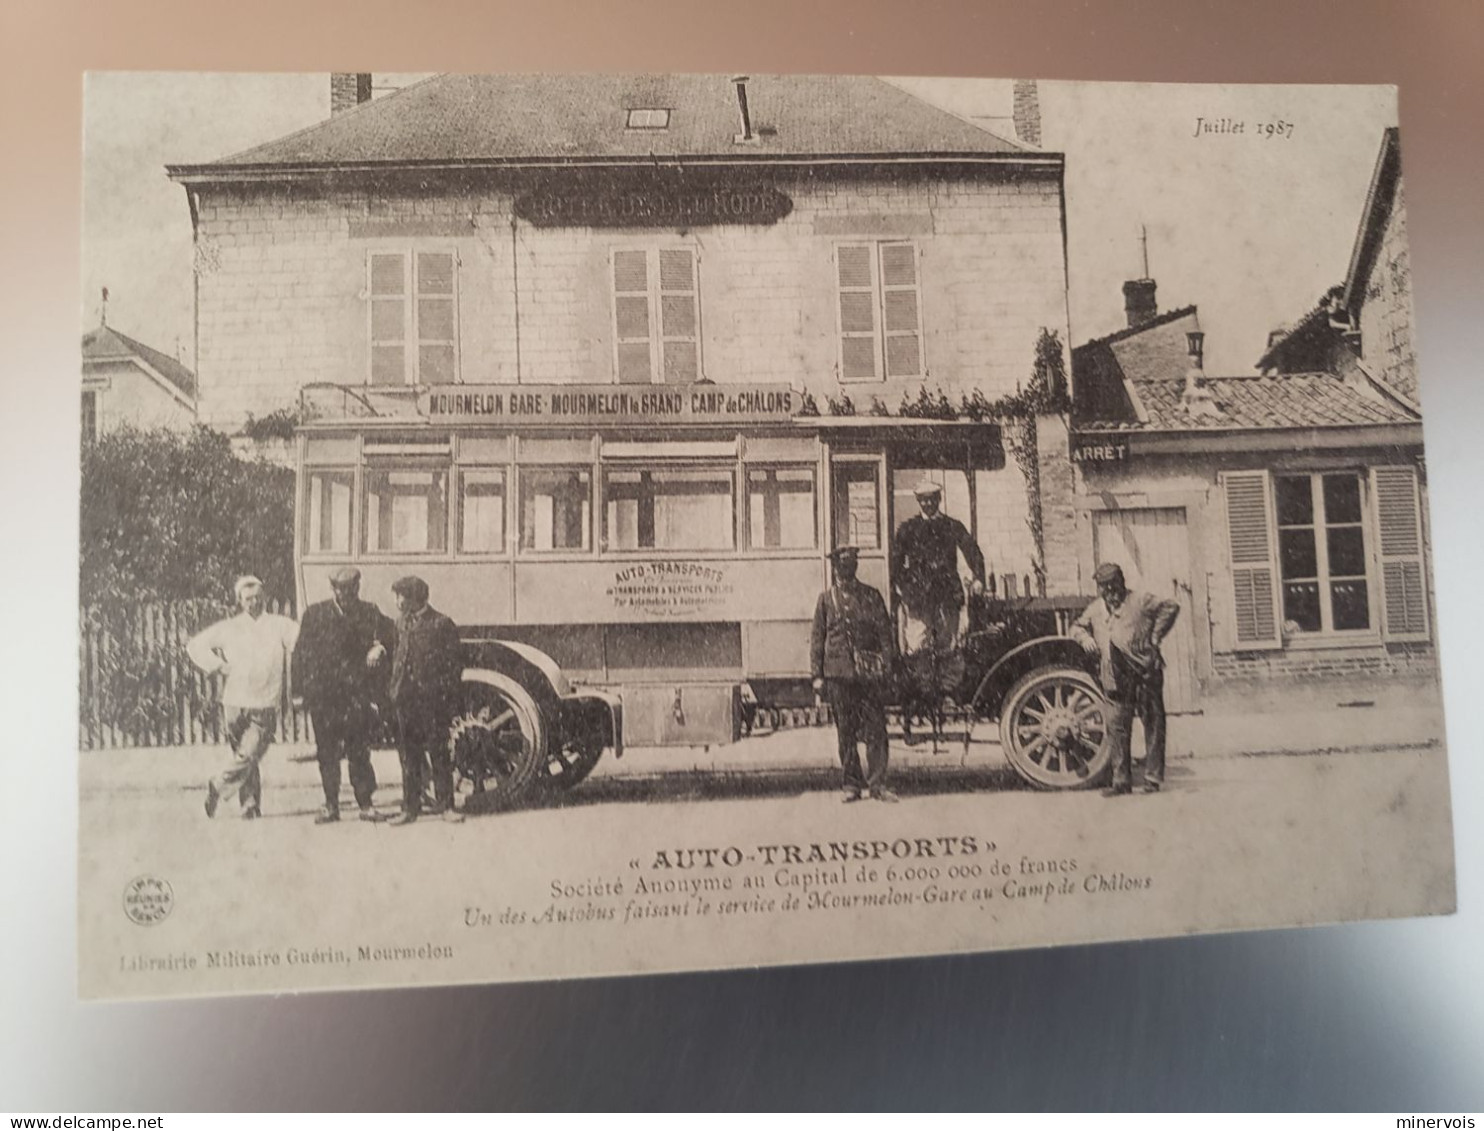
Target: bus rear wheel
(498,743)
(1054,729)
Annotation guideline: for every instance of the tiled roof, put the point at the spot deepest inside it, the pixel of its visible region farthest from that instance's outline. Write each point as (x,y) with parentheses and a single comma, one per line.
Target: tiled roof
(107,344)
(474,118)
(1298,400)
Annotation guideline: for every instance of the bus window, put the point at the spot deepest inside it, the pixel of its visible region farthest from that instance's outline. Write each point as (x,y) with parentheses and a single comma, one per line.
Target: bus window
(482,511)
(406,510)
(857,505)
(555,509)
(683,509)
(780,508)
(328,530)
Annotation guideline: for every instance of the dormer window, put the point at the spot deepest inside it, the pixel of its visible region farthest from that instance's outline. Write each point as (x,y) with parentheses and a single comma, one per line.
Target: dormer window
(649,118)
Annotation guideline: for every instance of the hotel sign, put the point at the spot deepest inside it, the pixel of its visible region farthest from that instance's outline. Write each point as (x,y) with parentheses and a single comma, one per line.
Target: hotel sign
(608,404)
(653,207)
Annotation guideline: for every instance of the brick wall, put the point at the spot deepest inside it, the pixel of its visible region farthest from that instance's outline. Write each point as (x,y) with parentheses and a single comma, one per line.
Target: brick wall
(1386,314)
(1059,514)
(1393,660)
(282,281)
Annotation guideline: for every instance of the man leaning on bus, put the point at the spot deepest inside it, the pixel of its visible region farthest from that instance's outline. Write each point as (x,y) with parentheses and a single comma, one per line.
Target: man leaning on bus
(251,650)
(427,675)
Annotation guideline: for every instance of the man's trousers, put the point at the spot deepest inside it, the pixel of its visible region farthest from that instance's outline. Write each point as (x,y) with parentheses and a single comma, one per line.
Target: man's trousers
(1145,699)
(860,716)
(342,730)
(935,664)
(422,742)
(249,734)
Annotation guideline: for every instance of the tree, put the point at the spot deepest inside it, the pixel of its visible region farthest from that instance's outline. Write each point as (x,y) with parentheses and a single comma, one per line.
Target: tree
(172,516)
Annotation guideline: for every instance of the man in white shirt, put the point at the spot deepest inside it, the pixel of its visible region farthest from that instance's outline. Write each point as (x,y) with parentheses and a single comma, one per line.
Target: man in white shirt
(251,649)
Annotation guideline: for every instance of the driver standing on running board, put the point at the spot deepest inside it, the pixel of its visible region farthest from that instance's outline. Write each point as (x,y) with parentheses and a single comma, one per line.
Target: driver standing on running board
(1124,631)
(924,570)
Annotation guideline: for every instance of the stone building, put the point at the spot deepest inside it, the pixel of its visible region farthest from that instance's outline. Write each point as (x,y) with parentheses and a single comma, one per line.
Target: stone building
(125,382)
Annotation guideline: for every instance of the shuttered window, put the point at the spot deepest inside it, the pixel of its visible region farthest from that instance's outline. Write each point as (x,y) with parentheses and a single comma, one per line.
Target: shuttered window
(413,317)
(1398,516)
(1249,524)
(880,311)
(656,316)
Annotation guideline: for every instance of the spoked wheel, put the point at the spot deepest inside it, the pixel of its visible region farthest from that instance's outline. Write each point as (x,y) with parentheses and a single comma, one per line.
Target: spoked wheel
(570,761)
(498,743)
(1054,728)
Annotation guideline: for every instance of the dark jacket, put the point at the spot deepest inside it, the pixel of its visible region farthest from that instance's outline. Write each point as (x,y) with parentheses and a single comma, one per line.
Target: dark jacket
(428,665)
(330,657)
(924,561)
(851,613)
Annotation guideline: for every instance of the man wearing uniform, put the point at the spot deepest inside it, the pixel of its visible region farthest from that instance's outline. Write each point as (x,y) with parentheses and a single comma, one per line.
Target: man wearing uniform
(251,649)
(1124,631)
(427,675)
(340,665)
(924,569)
(851,652)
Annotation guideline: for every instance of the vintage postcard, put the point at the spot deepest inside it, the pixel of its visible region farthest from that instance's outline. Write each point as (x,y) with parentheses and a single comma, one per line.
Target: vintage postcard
(539,526)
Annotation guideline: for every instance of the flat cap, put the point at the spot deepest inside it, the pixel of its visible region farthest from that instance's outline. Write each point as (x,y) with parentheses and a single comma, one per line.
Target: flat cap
(1108,571)
(927,488)
(844,552)
(345,575)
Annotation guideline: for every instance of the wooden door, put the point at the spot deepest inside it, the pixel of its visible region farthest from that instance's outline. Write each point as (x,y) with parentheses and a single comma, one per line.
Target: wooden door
(1153,547)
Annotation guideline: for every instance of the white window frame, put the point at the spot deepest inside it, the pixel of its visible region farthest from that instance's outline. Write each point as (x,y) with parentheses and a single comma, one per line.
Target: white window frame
(730,468)
(412,339)
(1320,526)
(655,295)
(879,334)
(775,466)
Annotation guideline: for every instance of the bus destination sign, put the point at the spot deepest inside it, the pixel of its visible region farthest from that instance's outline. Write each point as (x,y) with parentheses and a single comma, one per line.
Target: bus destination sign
(609,404)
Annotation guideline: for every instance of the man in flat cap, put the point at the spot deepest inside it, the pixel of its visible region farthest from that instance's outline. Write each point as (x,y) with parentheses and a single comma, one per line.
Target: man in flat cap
(1124,630)
(851,655)
(251,650)
(924,570)
(426,690)
(340,667)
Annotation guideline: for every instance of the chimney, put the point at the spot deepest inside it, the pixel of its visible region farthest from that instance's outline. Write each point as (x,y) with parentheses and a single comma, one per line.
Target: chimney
(348,91)
(1139,304)
(1027,112)
(1196,398)
(746,135)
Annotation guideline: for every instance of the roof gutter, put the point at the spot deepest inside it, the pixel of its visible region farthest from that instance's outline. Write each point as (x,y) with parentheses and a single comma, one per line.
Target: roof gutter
(216,173)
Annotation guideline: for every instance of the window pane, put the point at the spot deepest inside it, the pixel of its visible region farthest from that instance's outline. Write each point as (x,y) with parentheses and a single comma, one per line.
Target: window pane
(631,314)
(1346,551)
(406,510)
(1350,604)
(687,509)
(903,356)
(678,316)
(1295,501)
(901,310)
(858,357)
(780,509)
(388,366)
(857,506)
(555,509)
(898,265)
(857,312)
(1301,606)
(387,321)
(435,365)
(1341,498)
(435,273)
(1296,553)
(388,275)
(633,363)
(435,319)
(482,512)
(328,530)
(682,365)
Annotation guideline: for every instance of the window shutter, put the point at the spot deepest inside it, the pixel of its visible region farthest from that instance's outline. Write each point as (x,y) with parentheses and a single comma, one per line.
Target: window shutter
(631,330)
(901,314)
(860,344)
(1250,540)
(437,337)
(388,317)
(1399,534)
(680,339)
